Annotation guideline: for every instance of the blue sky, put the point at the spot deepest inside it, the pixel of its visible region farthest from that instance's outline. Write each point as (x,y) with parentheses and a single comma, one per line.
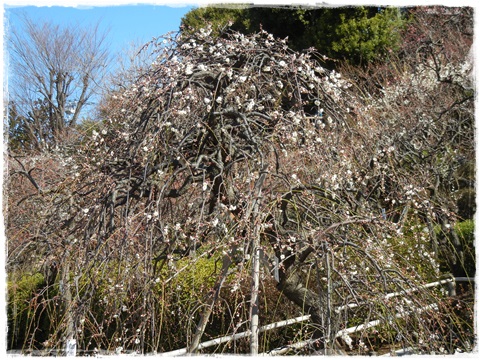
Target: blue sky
(126,24)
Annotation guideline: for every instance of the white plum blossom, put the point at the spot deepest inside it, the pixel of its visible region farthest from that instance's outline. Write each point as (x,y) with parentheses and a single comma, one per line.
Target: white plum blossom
(250,105)
(262,118)
(189,69)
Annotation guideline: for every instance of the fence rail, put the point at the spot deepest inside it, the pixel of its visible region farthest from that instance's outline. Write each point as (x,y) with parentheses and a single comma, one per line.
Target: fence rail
(450,282)
(239,335)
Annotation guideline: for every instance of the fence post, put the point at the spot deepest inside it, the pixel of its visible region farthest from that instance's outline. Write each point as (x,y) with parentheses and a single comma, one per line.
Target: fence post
(71,347)
(451,287)
(254,301)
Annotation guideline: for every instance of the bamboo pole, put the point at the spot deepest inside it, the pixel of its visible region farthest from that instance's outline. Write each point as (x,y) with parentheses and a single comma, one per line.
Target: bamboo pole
(254,317)
(279,351)
(241,335)
(351,330)
(449,282)
(254,301)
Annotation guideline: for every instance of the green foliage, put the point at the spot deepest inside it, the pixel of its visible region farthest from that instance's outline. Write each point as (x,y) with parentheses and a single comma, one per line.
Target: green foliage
(197,279)
(466,231)
(21,305)
(358,35)
(218,17)
(362,38)
(458,248)
(466,234)
(21,290)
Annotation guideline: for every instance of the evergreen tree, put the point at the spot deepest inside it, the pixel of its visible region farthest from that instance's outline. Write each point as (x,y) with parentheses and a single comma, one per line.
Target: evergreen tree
(354,34)
(366,38)
(220,18)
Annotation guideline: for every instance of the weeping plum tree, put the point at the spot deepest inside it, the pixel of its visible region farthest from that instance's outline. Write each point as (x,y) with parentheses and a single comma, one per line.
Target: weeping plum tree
(431,81)
(235,148)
